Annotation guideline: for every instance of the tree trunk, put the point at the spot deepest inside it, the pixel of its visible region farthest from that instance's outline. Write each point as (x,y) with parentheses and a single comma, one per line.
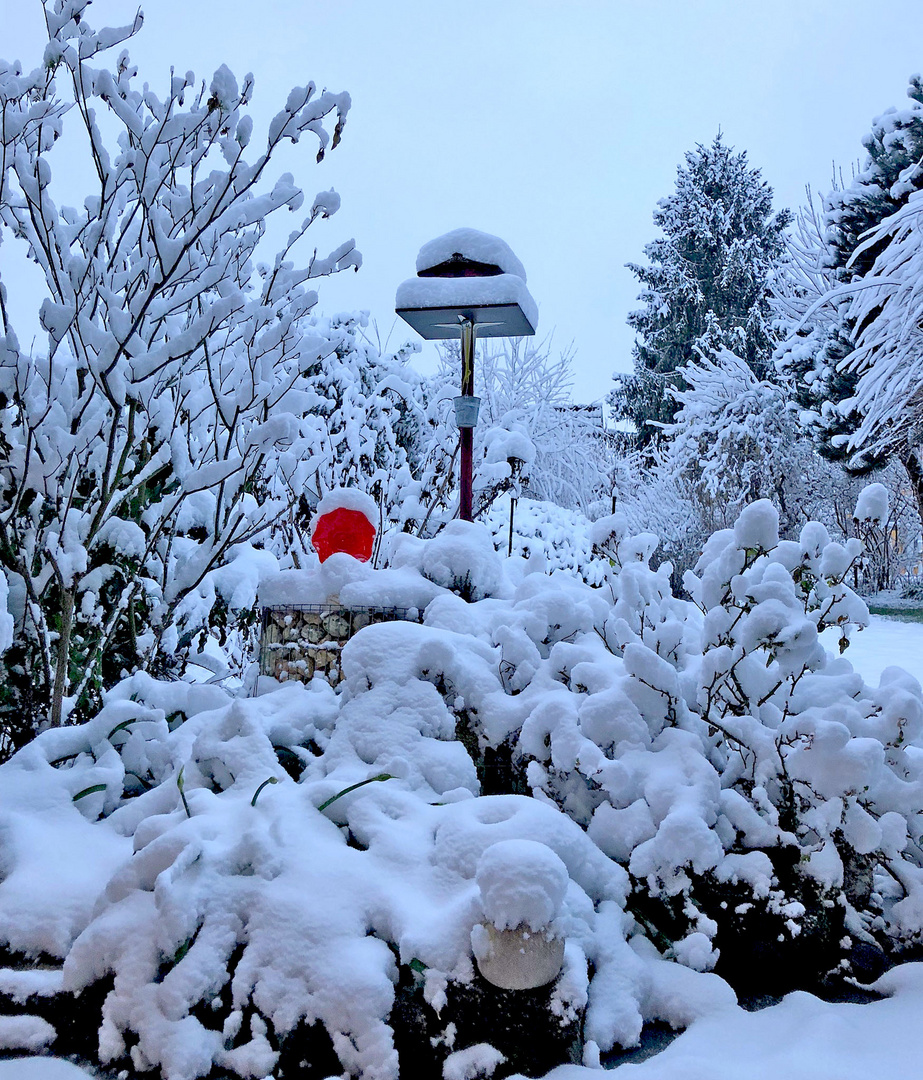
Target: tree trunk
(910,459)
(62,662)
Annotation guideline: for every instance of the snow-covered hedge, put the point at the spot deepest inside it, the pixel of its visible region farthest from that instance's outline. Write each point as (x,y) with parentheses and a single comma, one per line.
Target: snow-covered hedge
(241,873)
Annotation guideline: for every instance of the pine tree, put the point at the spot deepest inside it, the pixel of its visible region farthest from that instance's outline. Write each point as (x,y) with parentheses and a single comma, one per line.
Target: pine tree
(838,253)
(707,285)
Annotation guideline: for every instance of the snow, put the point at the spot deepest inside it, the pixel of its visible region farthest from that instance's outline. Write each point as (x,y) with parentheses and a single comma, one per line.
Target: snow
(757,526)
(6,619)
(553,761)
(522,883)
(466,292)
(38,982)
(41,1068)
(472,244)
(40,821)
(886,643)
(347,499)
(801,1038)
(462,557)
(872,504)
(474,1062)
(190,889)
(344,580)
(224,88)
(502,445)
(25,1033)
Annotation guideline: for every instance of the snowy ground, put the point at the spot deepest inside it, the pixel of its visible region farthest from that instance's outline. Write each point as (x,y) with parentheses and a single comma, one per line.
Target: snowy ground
(40,1069)
(884,643)
(801,1038)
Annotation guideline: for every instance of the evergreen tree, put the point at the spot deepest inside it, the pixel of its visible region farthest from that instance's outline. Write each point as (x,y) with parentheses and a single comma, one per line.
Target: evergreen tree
(707,285)
(838,251)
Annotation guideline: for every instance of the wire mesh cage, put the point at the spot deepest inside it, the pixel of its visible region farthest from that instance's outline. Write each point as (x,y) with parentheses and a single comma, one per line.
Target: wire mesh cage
(299,641)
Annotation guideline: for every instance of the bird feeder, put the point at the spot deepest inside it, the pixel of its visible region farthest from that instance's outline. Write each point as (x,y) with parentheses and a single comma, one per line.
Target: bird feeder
(468,284)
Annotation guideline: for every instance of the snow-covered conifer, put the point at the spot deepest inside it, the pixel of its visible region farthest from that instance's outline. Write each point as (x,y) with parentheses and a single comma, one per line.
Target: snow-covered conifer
(706,286)
(850,306)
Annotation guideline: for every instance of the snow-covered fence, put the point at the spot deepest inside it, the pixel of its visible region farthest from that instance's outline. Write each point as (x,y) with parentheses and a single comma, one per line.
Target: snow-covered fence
(299,641)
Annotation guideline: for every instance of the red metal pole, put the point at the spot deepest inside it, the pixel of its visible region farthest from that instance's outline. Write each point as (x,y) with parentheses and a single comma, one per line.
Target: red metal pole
(466,434)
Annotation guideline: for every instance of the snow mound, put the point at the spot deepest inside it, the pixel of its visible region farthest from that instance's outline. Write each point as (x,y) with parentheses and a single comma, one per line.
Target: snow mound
(872,504)
(463,558)
(522,883)
(25,1033)
(480,1060)
(472,244)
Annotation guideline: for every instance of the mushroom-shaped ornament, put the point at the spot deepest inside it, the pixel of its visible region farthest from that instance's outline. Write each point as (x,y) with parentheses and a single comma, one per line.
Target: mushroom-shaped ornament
(344,521)
(522,884)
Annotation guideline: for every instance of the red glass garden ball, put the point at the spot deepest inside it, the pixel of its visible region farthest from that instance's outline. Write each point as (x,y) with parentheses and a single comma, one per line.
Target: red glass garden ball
(343,530)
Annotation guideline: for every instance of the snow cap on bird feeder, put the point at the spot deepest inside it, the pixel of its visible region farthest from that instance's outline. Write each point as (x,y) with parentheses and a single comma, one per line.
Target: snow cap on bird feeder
(344,521)
(471,274)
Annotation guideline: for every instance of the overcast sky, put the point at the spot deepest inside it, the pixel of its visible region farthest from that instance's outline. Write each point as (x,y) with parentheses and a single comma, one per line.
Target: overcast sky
(556,125)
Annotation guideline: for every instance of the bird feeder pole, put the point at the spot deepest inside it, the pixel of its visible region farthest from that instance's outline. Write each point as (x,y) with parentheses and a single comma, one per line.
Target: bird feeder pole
(466,434)
(467,282)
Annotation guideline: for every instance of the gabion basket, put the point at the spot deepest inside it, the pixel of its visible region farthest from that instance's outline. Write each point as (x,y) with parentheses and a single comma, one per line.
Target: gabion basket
(299,641)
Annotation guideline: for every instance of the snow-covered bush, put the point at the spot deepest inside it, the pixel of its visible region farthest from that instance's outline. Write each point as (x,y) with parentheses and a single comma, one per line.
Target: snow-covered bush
(601,698)
(736,439)
(720,792)
(550,536)
(187,396)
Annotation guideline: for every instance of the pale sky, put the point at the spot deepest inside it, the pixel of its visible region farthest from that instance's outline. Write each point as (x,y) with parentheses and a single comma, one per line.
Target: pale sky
(555,125)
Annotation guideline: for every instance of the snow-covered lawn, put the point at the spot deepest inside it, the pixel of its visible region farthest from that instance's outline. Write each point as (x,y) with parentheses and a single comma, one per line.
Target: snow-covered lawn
(884,643)
(801,1038)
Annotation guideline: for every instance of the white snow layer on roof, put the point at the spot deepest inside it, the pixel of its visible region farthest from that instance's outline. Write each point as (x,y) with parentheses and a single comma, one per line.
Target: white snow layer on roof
(478,246)
(467,292)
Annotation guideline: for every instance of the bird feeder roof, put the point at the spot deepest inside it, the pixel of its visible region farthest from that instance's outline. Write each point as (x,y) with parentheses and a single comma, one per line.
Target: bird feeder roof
(499,306)
(473,247)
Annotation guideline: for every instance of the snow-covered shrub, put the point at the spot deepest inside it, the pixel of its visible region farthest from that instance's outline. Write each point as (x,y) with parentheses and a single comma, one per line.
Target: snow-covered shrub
(463,558)
(171,417)
(230,922)
(735,439)
(685,735)
(548,535)
(709,778)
